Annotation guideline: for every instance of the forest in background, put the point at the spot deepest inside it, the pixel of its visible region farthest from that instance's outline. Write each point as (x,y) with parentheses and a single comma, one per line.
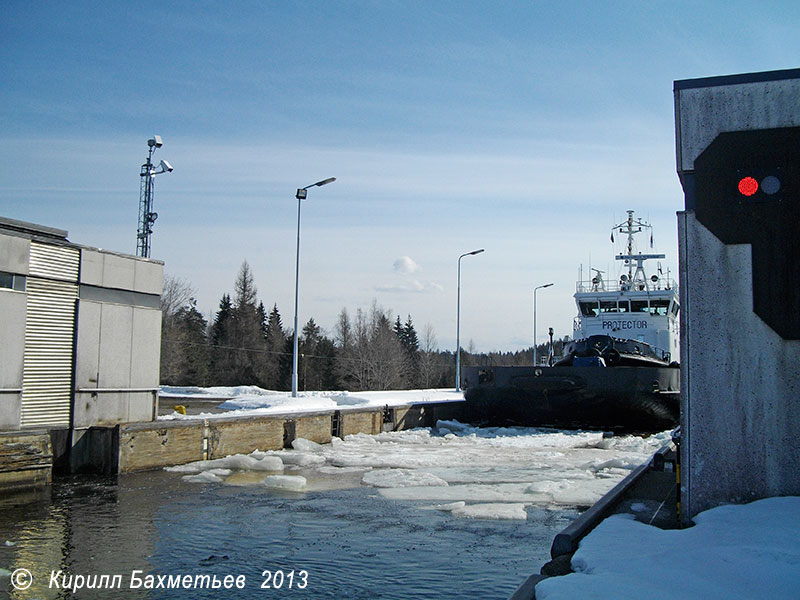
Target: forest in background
(246,344)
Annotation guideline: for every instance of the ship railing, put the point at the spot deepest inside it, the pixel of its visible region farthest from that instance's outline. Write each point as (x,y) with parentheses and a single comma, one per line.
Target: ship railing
(612,285)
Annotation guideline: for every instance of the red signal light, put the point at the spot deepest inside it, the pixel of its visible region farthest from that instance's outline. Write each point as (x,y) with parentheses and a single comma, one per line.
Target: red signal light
(748,186)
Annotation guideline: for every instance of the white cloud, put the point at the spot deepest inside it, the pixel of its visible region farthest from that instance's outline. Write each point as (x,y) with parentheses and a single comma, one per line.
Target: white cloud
(413,287)
(406,265)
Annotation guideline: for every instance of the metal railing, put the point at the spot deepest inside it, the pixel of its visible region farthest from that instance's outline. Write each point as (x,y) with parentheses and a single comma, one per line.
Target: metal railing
(613,285)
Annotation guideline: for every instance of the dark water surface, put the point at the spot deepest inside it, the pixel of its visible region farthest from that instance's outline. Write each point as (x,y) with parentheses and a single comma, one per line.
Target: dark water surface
(351,543)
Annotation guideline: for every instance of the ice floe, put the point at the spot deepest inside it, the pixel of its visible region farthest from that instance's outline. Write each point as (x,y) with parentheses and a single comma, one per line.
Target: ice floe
(468,471)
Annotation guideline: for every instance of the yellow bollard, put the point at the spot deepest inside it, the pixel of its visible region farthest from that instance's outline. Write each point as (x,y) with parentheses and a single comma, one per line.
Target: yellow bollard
(179,408)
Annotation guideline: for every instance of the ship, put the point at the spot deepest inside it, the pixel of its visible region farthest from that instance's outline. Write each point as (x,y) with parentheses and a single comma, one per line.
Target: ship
(620,370)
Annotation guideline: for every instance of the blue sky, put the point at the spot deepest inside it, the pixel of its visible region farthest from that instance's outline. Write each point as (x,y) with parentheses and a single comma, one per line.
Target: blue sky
(525,128)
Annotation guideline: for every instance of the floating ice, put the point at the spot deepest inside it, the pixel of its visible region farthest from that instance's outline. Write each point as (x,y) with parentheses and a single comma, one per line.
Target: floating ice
(331,470)
(492,511)
(210,476)
(512,468)
(290,483)
(446,507)
(301,459)
(394,478)
(304,445)
(237,462)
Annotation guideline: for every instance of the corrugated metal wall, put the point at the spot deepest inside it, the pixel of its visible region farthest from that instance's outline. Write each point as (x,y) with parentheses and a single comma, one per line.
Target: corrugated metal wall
(52,290)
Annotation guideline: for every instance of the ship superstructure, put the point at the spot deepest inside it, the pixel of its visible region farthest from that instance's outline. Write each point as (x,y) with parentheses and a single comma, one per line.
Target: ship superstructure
(637,306)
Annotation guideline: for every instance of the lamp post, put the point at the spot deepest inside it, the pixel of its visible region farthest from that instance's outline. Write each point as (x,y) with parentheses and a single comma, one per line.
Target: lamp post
(301,194)
(458,320)
(538,287)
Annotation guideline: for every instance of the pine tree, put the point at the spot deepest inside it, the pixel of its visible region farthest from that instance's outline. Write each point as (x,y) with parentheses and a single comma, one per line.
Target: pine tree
(275,346)
(307,348)
(193,365)
(221,368)
(317,360)
(411,346)
(248,337)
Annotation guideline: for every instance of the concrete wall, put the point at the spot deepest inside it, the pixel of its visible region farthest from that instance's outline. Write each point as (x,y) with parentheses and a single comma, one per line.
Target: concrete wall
(361,422)
(12,324)
(14,252)
(118,350)
(118,333)
(145,446)
(740,382)
(706,108)
(119,339)
(122,272)
(740,410)
(26,459)
(13,305)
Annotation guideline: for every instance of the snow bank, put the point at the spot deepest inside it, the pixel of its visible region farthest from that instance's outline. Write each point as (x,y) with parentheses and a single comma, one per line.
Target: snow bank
(253,401)
(746,551)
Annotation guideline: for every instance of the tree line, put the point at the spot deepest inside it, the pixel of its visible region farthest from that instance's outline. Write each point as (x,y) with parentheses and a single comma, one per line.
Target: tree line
(246,344)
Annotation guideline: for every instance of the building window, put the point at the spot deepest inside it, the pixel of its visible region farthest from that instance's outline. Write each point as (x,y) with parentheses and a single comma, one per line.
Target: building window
(12,281)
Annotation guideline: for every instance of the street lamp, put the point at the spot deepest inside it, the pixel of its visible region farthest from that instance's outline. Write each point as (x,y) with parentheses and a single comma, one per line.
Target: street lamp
(301,194)
(458,320)
(538,287)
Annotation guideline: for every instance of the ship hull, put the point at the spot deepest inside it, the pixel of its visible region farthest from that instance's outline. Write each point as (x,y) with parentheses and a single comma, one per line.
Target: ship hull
(623,398)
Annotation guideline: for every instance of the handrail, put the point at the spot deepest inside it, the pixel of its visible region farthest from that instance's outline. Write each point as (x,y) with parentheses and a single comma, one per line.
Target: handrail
(115,390)
(664,284)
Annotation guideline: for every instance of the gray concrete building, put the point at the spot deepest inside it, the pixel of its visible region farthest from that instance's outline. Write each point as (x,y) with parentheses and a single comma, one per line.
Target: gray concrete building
(738,159)
(81,332)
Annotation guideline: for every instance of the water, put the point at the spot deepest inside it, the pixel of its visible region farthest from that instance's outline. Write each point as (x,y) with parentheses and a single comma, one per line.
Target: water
(351,543)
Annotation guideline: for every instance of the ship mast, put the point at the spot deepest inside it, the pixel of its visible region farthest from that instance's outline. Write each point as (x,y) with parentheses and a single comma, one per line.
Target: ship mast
(631,227)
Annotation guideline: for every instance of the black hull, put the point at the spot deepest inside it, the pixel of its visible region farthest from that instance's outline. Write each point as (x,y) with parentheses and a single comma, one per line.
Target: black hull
(636,399)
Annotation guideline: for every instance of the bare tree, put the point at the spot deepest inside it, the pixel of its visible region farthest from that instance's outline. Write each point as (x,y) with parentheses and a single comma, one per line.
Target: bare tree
(430,368)
(369,356)
(183,340)
(176,294)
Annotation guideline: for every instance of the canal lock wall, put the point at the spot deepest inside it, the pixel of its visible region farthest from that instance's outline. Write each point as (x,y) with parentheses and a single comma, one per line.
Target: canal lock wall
(30,458)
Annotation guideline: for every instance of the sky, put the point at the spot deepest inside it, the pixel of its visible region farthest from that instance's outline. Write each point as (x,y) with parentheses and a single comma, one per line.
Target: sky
(525,128)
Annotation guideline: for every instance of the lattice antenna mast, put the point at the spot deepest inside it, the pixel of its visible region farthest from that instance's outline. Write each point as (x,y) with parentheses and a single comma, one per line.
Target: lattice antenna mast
(147,217)
(630,227)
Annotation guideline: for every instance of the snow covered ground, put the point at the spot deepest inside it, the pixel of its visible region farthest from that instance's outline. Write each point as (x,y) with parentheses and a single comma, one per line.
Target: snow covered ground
(252,400)
(747,551)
